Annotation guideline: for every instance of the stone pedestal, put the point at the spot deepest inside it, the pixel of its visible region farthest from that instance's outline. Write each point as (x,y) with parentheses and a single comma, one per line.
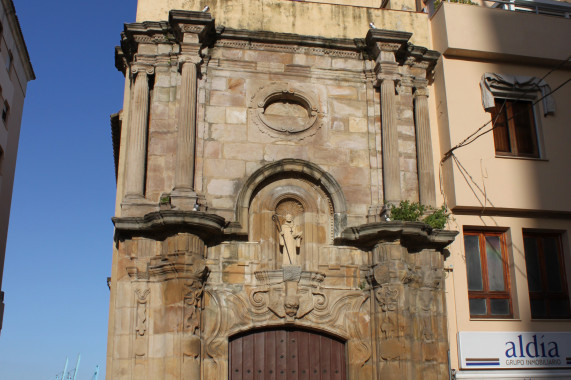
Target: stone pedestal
(410,319)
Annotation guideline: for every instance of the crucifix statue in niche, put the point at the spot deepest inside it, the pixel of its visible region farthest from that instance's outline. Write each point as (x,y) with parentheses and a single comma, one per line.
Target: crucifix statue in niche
(290,234)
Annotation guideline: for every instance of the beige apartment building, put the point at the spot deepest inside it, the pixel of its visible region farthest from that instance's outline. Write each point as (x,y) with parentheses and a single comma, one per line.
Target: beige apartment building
(15,73)
(259,149)
(509,270)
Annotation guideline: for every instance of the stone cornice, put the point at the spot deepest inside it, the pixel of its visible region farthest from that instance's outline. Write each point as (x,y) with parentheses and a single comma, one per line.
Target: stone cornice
(120,60)
(200,24)
(208,227)
(378,40)
(287,39)
(148,32)
(390,41)
(410,234)
(422,58)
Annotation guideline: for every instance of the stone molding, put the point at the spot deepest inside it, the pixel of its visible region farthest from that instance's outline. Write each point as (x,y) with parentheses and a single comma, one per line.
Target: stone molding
(410,234)
(207,226)
(383,43)
(300,167)
(288,41)
(324,310)
(183,22)
(148,32)
(287,92)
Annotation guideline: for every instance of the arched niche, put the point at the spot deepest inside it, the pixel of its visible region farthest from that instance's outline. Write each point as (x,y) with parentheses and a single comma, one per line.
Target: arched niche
(312,213)
(292,169)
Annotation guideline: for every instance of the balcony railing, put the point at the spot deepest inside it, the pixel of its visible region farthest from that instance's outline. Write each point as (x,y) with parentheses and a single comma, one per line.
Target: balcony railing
(540,7)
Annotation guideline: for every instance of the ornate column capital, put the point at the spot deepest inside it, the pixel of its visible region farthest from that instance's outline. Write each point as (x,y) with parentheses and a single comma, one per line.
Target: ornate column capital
(195,59)
(386,71)
(420,87)
(142,67)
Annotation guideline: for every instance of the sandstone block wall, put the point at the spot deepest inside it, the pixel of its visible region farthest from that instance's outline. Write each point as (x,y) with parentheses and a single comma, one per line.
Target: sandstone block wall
(252,192)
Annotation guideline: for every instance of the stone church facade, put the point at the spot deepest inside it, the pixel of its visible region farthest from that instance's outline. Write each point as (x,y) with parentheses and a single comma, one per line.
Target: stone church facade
(251,234)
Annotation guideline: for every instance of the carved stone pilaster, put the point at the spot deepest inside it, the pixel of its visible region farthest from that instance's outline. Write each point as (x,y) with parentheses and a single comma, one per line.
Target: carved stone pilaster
(387,46)
(191,340)
(389,132)
(405,281)
(192,30)
(184,169)
(181,272)
(427,191)
(137,134)
(140,344)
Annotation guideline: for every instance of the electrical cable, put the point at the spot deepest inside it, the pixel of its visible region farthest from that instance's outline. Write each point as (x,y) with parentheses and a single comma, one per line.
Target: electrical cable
(473,136)
(513,116)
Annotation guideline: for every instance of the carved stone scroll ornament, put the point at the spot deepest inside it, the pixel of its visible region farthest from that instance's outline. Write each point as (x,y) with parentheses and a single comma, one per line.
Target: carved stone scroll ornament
(382,275)
(425,299)
(388,302)
(192,306)
(291,299)
(141,318)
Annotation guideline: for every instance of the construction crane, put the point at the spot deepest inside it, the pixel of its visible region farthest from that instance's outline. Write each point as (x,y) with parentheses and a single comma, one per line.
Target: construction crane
(72,374)
(96,374)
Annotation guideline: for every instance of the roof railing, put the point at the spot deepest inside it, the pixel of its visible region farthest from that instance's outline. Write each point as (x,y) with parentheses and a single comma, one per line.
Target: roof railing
(540,7)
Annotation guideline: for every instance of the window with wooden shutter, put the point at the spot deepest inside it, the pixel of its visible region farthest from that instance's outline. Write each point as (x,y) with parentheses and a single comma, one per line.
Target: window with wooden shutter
(514,128)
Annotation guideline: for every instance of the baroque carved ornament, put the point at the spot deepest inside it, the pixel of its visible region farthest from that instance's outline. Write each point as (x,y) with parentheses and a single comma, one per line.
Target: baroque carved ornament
(283,110)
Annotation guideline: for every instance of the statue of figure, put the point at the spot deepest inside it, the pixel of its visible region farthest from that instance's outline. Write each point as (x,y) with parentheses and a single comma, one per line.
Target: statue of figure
(290,239)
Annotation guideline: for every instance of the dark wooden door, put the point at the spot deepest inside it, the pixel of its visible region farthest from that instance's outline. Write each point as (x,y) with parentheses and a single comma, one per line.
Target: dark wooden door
(286,354)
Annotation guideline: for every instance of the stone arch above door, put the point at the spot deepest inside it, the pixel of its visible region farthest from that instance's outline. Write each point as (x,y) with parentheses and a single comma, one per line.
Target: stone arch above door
(292,169)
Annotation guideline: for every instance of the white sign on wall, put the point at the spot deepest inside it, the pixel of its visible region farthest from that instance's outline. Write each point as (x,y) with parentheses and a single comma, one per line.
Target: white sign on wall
(514,350)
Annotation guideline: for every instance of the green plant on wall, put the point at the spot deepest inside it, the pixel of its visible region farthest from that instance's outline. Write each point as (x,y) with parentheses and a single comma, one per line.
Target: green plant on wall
(407,211)
(415,212)
(438,218)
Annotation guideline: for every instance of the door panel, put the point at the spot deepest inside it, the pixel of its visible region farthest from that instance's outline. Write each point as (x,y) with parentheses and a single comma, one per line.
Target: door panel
(286,354)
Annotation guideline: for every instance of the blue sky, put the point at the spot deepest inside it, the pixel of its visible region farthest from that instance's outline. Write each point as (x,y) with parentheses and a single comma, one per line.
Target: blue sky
(60,236)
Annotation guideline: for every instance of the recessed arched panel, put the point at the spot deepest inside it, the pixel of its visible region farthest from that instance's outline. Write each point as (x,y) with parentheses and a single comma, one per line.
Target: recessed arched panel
(290,354)
(312,216)
(292,169)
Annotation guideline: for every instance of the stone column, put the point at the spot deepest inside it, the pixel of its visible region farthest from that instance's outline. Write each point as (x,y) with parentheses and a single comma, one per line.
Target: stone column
(424,146)
(192,30)
(184,170)
(391,167)
(388,48)
(137,139)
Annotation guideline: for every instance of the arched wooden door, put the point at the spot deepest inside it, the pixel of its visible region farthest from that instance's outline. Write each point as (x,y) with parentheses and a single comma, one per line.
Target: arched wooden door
(286,354)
